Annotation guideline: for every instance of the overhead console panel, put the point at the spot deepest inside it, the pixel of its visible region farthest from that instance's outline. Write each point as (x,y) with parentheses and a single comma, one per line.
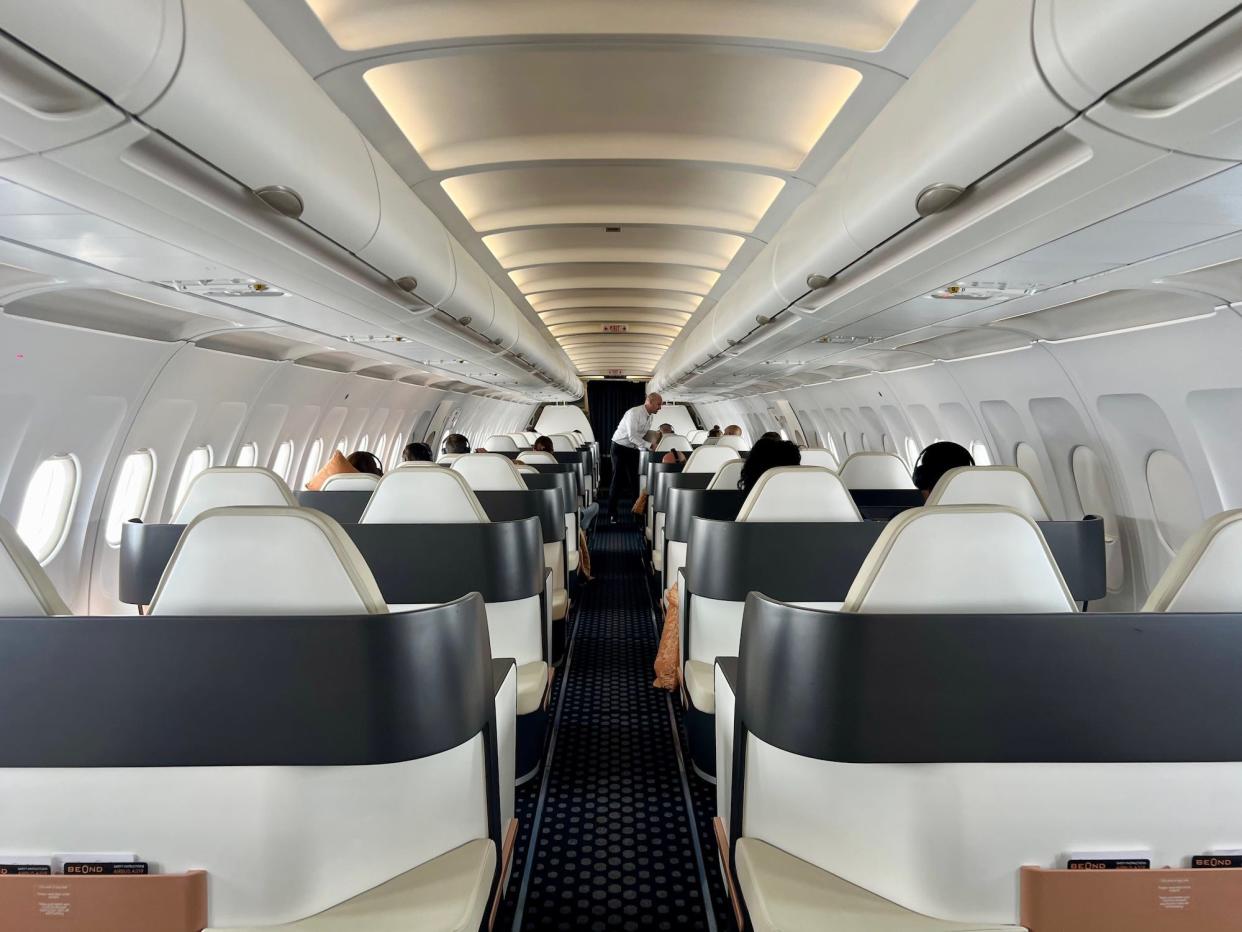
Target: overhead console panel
(985,149)
(209,75)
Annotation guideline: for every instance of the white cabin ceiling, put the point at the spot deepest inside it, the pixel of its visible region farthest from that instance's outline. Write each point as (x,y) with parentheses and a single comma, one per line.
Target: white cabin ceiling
(614,165)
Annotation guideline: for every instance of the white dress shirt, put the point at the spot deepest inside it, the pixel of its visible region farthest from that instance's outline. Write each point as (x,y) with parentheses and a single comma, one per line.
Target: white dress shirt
(635,423)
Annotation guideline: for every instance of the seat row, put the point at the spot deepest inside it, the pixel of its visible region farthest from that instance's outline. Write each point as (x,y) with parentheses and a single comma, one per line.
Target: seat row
(893,761)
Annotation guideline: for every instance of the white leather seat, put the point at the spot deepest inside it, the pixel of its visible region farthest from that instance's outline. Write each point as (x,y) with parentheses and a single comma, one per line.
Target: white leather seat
(500,443)
(730,441)
(527,469)
(222,486)
(25,589)
(727,476)
(1204,576)
(709,459)
(787,894)
(696,436)
(875,471)
(799,493)
(423,493)
(350,482)
(520,440)
(673,442)
(563,443)
(531,436)
(449,892)
(818,456)
(537,457)
(990,485)
(965,559)
(489,472)
(256,560)
(448,459)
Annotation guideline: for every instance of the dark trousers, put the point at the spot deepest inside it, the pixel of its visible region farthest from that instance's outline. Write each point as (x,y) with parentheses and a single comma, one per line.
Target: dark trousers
(624,475)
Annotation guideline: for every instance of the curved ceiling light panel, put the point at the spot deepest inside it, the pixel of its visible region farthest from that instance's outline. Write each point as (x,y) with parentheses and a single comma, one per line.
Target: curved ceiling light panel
(860,25)
(618,179)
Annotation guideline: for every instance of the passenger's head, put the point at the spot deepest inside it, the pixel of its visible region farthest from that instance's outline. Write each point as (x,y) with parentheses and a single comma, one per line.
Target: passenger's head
(366,462)
(543,444)
(936,460)
(666,428)
(764,455)
(770,435)
(416,453)
(733,430)
(456,443)
(653,403)
(714,432)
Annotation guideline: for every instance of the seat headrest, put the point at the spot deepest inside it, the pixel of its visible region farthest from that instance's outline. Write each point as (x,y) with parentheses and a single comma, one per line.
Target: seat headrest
(525,469)
(563,443)
(708,459)
(447,458)
(490,472)
(818,456)
(423,493)
(799,493)
(531,437)
(730,441)
(537,456)
(519,439)
(673,442)
(222,486)
(727,476)
(350,482)
(966,559)
(500,443)
(1204,576)
(253,560)
(875,471)
(696,436)
(25,589)
(990,485)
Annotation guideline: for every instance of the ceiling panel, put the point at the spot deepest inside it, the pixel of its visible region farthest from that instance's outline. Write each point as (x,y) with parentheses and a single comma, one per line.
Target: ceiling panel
(549,245)
(863,25)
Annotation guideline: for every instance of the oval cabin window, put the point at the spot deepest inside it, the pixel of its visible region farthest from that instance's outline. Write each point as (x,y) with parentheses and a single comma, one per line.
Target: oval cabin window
(283,460)
(198,459)
(44,519)
(133,492)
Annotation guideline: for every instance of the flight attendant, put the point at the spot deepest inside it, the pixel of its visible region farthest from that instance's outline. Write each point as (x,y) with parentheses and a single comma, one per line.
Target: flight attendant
(627,440)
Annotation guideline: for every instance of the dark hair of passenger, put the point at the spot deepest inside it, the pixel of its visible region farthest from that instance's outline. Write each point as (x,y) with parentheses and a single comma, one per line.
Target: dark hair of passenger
(767,454)
(416,453)
(543,444)
(770,435)
(714,432)
(456,443)
(936,460)
(366,462)
(666,428)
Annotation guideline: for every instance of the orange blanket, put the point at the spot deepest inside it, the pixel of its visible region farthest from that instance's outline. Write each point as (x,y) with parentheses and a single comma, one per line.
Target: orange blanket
(584,555)
(667,662)
(640,506)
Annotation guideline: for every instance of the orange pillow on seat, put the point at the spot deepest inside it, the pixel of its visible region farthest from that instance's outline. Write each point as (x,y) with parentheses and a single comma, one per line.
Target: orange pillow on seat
(335,466)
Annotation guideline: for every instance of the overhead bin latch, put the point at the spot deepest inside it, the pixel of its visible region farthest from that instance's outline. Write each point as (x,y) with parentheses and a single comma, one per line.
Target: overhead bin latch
(281,199)
(936,197)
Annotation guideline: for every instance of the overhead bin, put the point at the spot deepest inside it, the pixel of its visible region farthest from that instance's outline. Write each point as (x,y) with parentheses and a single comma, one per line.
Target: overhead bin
(1170,76)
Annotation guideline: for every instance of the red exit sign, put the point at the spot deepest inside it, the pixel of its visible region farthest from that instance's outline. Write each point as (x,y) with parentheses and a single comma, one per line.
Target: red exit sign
(616,328)
(615,372)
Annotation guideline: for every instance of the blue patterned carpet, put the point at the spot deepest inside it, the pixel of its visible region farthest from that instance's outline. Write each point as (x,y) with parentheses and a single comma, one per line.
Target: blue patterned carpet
(616,833)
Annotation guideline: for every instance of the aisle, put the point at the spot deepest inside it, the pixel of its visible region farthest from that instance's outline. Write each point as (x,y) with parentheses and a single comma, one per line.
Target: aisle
(616,845)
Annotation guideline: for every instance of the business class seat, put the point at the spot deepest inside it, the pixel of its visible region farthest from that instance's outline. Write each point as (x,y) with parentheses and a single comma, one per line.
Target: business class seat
(696,437)
(429,494)
(280,842)
(727,476)
(818,456)
(1204,576)
(350,482)
(875,471)
(520,439)
(670,442)
(783,495)
(24,587)
(531,436)
(963,559)
(233,485)
(526,469)
(732,442)
(701,460)
(537,457)
(709,459)
(489,472)
(800,848)
(500,443)
(990,485)
(563,443)
(448,459)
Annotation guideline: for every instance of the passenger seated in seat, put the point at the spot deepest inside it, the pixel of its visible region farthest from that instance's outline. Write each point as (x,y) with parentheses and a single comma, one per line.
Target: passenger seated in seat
(416,453)
(366,462)
(767,454)
(935,461)
(713,435)
(543,445)
(770,435)
(456,443)
(733,430)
